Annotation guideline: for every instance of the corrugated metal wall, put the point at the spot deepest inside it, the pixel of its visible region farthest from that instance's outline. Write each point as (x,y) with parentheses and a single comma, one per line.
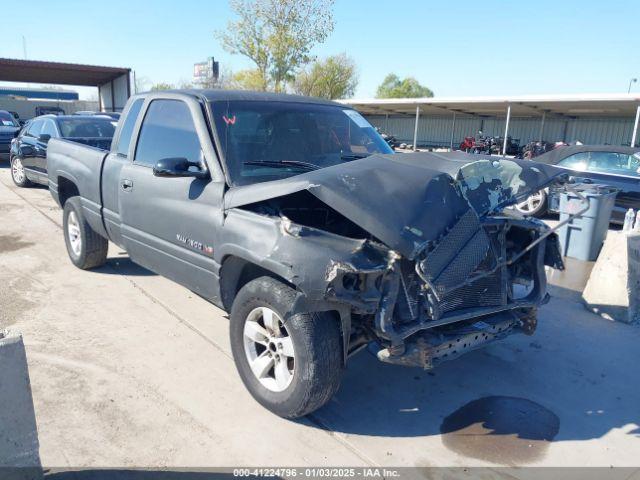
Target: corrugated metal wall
(436,131)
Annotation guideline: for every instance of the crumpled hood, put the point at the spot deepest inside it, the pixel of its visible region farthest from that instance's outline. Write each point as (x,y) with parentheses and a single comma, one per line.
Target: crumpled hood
(405,200)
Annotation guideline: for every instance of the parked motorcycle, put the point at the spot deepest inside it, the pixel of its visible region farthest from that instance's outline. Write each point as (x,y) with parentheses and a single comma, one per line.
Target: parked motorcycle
(534,149)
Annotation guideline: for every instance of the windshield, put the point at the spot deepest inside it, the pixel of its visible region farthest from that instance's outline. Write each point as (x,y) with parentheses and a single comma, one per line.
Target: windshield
(264,141)
(7,120)
(86,127)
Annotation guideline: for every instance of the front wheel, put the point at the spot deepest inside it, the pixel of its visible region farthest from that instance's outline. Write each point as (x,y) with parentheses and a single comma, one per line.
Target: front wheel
(86,248)
(18,174)
(291,366)
(534,206)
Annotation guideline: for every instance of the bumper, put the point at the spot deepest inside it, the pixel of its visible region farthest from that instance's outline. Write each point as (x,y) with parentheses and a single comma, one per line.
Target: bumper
(429,348)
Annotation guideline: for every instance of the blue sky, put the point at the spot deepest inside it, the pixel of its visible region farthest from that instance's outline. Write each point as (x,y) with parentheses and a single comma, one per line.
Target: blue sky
(456,48)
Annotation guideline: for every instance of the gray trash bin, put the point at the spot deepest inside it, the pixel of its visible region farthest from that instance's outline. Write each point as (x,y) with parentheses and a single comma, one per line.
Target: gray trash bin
(583,236)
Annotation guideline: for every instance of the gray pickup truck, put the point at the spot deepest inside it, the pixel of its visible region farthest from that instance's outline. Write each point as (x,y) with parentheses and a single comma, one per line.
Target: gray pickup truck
(293,215)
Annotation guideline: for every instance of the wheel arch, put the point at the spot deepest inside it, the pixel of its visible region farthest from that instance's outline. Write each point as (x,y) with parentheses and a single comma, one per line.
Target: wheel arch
(67,188)
(236,272)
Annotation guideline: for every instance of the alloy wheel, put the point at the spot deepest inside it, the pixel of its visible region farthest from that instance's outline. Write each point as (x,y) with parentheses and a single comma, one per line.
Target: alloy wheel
(17,170)
(73,230)
(269,349)
(531,204)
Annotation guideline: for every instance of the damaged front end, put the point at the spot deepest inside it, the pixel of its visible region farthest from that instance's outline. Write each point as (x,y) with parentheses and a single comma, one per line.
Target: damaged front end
(422,260)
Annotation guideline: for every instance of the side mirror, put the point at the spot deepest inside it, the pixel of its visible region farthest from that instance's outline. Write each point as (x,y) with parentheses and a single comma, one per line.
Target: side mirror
(178,167)
(44,138)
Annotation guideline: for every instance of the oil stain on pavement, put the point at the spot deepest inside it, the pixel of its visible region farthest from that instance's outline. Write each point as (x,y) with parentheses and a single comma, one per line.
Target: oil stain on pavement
(502,430)
(11,243)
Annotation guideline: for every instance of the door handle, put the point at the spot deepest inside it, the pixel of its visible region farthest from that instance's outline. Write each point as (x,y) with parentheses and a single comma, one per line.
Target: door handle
(127,185)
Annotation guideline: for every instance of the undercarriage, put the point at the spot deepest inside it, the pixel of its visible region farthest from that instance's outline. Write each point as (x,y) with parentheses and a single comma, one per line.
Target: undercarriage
(471,288)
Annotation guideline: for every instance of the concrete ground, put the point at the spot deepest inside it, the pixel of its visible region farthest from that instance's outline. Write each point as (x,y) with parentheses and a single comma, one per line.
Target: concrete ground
(129,369)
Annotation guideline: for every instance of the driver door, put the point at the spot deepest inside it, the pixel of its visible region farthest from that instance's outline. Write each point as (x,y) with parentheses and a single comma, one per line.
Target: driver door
(169,224)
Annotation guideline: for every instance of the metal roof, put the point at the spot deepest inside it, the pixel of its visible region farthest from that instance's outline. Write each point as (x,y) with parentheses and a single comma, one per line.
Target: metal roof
(13,70)
(579,105)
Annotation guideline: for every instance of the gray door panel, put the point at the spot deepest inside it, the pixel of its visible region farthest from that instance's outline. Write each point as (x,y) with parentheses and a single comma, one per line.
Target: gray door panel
(169,225)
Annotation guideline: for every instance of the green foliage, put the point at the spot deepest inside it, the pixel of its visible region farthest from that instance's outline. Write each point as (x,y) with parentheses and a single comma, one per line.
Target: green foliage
(393,87)
(162,86)
(248,80)
(334,77)
(277,35)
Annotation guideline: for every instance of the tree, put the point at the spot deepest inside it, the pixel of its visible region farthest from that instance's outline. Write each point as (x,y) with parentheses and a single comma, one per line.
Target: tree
(334,77)
(277,35)
(393,87)
(248,80)
(162,86)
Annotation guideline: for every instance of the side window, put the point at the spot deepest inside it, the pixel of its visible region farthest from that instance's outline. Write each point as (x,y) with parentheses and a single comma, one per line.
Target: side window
(49,129)
(127,127)
(577,161)
(167,131)
(615,163)
(35,129)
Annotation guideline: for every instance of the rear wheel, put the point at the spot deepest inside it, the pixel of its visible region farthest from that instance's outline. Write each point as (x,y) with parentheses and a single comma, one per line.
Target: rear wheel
(86,248)
(534,206)
(18,174)
(292,366)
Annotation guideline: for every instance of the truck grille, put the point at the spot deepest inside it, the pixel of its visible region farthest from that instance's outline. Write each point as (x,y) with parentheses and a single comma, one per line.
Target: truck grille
(486,292)
(480,254)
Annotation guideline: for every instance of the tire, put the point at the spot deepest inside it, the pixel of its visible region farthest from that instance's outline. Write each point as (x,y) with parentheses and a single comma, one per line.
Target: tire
(313,352)
(91,249)
(537,207)
(18,174)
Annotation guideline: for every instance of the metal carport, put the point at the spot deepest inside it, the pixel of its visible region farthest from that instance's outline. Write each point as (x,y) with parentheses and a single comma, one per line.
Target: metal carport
(113,83)
(624,109)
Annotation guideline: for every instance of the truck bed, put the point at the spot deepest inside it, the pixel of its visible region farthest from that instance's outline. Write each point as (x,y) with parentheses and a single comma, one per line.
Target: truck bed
(81,165)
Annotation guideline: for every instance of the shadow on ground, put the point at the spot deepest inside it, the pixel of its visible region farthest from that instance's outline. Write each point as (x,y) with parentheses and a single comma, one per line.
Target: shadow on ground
(123,266)
(507,402)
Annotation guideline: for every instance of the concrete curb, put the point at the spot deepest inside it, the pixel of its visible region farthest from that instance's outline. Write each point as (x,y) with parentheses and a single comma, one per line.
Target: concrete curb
(18,433)
(613,289)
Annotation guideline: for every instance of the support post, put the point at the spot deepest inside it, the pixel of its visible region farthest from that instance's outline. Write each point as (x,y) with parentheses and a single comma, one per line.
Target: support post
(453,128)
(386,123)
(415,130)
(544,114)
(635,127)
(506,131)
